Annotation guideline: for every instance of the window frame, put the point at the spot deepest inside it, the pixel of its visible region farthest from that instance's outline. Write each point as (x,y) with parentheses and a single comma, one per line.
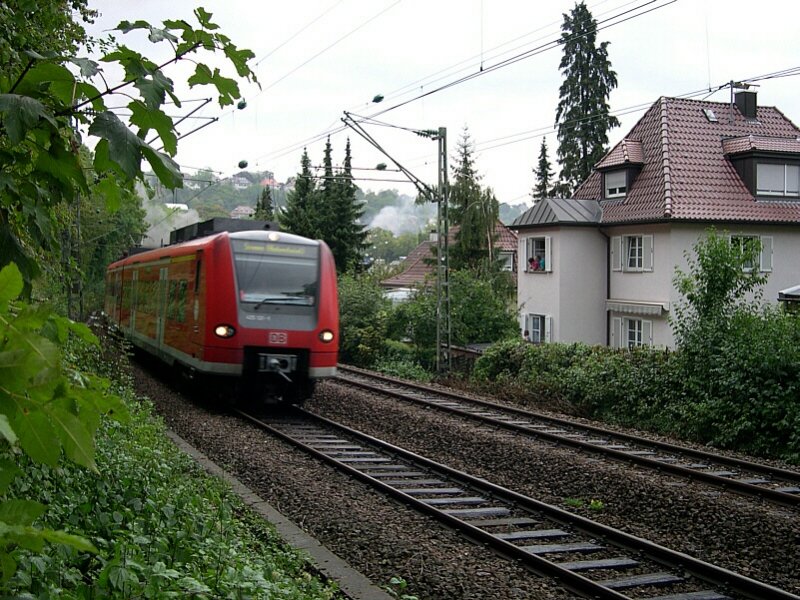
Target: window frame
(620,253)
(544,328)
(619,191)
(531,250)
(765,255)
(772,193)
(621,330)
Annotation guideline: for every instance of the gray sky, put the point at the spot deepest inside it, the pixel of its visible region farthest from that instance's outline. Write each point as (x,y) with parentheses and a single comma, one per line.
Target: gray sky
(316,59)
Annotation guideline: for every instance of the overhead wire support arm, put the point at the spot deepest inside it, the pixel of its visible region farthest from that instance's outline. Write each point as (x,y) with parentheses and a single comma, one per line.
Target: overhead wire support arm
(421,186)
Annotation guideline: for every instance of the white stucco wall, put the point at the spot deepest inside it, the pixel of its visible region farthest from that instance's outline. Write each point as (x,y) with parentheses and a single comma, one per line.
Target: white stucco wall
(574,294)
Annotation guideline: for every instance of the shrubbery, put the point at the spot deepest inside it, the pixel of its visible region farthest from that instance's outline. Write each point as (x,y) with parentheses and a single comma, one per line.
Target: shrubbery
(733,381)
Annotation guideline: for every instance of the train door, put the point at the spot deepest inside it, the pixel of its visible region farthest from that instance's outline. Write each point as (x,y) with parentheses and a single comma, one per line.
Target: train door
(133,292)
(161,305)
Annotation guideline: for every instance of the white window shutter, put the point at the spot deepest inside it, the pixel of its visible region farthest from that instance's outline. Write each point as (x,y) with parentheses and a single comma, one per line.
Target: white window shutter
(548,329)
(616,332)
(647,253)
(528,251)
(766,253)
(548,256)
(647,333)
(616,253)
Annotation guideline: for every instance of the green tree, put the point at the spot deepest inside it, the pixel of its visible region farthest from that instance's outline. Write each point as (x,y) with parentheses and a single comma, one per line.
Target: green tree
(362,320)
(46,408)
(481,307)
(300,215)
(264,208)
(474,210)
(40,103)
(582,116)
(544,175)
(348,235)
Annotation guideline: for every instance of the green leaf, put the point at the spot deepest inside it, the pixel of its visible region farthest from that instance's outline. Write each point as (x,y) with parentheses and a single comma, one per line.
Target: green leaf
(8,566)
(167,170)
(54,77)
(154,88)
(64,166)
(21,113)
(8,471)
(124,146)
(89,68)
(7,431)
(205,19)
(20,512)
(37,438)
(239,59)
(227,88)
(147,119)
(108,189)
(127,26)
(61,537)
(10,284)
(77,441)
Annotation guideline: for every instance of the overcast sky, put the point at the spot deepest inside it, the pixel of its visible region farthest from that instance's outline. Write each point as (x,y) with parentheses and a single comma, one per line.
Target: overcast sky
(316,59)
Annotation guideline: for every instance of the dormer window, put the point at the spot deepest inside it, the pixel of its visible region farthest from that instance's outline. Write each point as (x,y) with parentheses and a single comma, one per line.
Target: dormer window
(616,184)
(777,179)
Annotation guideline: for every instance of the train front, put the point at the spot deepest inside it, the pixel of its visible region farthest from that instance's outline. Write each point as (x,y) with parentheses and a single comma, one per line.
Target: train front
(288,312)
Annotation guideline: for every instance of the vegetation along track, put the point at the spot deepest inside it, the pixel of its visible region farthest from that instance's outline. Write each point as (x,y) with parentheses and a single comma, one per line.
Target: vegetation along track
(781,486)
(590,559)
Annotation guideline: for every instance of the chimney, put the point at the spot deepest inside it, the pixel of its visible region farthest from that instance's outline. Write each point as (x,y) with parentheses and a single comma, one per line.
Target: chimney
(746,103)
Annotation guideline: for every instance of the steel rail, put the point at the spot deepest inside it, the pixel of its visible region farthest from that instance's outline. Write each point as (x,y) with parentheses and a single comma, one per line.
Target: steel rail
(742,487)
(714,575)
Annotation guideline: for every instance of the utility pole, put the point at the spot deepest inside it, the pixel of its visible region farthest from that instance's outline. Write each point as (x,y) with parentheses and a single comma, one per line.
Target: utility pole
(443,329)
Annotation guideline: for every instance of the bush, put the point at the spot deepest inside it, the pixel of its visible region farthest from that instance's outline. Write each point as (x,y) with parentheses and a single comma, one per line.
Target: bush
(363,313)
(163,528)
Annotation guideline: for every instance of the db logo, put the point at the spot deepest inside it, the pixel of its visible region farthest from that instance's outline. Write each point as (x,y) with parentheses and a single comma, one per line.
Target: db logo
(280,338)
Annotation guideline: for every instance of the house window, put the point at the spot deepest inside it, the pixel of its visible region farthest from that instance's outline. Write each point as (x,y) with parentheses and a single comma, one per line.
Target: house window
(537,328)
(616,184)
(633,253)
(631,333)
(761,260)
(777,180)
(538,255)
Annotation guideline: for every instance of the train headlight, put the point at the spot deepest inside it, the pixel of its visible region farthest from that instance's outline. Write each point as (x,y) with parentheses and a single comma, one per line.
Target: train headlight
(326,335)
(224,331)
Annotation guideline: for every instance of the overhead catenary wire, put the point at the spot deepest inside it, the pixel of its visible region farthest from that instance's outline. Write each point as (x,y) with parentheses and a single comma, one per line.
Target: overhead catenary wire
(550,45)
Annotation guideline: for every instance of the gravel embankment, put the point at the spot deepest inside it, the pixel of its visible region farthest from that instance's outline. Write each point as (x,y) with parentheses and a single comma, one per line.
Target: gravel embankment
(383,539)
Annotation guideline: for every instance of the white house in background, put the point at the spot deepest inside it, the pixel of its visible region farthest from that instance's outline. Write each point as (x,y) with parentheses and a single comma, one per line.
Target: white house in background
(598,268)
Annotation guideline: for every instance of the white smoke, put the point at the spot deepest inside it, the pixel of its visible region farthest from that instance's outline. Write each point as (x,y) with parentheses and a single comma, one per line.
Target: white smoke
(405,218)
(162,219)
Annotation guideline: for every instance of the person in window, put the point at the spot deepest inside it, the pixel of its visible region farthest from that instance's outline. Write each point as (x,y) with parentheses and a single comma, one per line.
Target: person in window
(539,263)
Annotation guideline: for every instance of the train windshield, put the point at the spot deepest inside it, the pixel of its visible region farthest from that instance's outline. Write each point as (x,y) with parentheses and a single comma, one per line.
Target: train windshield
(275,273)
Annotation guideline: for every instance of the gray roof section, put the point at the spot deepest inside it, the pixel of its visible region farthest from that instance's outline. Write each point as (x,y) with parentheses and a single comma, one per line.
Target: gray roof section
(559,211)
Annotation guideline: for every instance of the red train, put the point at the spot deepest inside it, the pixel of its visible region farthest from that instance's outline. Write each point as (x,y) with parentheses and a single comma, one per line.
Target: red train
(258,305)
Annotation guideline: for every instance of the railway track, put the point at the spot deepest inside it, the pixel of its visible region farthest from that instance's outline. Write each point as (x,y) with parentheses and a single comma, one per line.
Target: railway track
(780,486)
(588,558)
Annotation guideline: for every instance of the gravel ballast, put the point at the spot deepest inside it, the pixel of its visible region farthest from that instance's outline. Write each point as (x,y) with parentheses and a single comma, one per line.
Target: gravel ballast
(382,538)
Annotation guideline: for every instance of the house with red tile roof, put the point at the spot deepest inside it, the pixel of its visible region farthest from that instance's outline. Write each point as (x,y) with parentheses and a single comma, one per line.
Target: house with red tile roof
(598,267)
(419,265)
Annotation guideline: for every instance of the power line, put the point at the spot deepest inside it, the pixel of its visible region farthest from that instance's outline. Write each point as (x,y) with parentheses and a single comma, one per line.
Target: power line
(550,45)
(298,32)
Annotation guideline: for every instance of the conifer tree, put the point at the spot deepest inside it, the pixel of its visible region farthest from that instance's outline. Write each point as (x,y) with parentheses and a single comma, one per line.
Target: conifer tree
(473,209)
(300,215)
(544,175)
(582,116)
(348,236)
(264,207)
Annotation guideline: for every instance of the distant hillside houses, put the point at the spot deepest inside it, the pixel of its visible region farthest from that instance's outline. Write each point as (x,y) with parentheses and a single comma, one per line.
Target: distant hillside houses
(243,212)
